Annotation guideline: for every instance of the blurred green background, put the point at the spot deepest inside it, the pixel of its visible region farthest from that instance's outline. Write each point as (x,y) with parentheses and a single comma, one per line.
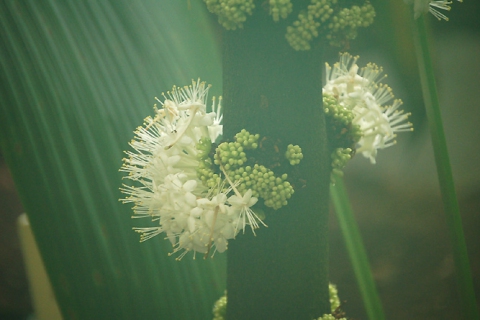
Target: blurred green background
(78,77)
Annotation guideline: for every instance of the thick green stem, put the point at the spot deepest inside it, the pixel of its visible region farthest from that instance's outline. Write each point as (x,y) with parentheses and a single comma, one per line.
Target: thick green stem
(356,250)
(444,171)
(275,91)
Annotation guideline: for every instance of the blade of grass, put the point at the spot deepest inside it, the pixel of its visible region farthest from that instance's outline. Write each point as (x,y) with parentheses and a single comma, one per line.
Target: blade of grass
(444,171)
(356,250)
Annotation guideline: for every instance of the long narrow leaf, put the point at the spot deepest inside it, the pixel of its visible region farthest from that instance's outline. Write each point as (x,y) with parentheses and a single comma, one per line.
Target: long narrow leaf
(356,250)
(444,171)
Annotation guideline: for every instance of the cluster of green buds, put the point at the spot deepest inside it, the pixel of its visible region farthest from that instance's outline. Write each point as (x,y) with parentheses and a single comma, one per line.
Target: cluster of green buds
(336,314)
(279,9)
(303,30)
(330,18)
(230,159)
(344,25)
(220,308)
(333,295)
(343,134)
(294,154)
(340,158)
(231,13)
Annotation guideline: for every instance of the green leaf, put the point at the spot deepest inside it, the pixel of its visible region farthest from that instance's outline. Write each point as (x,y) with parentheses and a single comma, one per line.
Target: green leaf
(444,171)
(77,78)
(356,250)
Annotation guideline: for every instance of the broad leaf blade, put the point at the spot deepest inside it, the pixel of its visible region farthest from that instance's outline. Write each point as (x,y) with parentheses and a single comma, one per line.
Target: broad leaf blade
(78,78)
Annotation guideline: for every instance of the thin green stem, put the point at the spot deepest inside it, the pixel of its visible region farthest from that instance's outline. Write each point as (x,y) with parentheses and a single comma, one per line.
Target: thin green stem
(444,172)
(356,250)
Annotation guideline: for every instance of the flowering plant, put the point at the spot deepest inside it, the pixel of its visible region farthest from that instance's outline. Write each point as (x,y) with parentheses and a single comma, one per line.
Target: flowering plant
(354,103)
(200,198)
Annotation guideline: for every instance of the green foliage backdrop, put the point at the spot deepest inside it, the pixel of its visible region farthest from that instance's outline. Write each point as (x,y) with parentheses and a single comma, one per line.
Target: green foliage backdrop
(77,78)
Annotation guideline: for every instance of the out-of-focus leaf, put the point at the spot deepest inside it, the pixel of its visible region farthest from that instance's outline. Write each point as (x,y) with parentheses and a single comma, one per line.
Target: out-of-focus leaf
(77,78)
(463,273)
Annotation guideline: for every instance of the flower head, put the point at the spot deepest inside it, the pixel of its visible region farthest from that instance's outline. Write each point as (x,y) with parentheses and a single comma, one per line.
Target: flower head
(198,198)
(163,166)
(360,92)
(173,181)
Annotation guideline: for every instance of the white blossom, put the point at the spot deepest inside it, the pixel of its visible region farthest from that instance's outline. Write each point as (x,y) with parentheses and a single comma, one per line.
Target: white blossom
(360,91)
(423,6)
(163,167)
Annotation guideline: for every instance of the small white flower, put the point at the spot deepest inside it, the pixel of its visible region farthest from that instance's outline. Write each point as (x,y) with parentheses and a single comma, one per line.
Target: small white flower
(241,205)
(359,91)
(216,129)
(423,6)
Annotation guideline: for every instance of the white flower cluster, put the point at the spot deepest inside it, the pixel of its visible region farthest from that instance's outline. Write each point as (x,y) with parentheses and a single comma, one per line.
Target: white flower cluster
(359,91)
(164,162)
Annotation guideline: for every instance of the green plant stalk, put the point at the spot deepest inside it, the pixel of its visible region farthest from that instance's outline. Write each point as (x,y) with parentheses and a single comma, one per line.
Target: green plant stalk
(275,91)
(444,172)
(356,250)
